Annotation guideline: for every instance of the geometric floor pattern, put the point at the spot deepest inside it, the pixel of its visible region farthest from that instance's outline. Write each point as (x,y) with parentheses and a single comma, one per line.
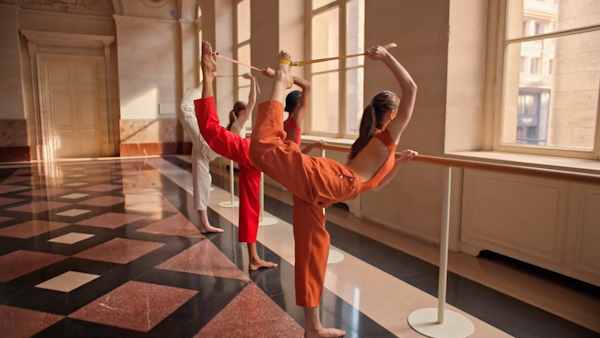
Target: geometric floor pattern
(112,249)
(108,250)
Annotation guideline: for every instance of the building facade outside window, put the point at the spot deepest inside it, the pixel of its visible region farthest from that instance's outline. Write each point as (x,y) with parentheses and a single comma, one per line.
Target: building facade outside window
(550,79)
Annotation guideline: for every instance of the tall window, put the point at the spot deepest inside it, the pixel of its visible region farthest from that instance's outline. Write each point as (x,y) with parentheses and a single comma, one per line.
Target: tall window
(336,28)
(242,48)
(199,29)
(551,106)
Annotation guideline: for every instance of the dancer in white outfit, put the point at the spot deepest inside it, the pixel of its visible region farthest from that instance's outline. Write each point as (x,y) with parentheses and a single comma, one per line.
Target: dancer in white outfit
(202,155)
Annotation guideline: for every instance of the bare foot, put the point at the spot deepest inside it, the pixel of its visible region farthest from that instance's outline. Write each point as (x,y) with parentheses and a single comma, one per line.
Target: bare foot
(207,228)
(328,333)
(284,73)
(257,263)
(209,65)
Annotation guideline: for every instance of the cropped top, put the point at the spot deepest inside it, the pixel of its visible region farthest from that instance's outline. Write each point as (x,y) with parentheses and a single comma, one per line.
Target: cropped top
(290,123)
(387,166)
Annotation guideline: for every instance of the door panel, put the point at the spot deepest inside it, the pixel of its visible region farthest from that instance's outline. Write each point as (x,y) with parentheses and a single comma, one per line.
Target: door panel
(71,91)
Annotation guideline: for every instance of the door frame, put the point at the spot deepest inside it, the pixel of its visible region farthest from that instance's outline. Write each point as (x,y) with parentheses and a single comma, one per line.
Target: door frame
(44,96)
(65,45)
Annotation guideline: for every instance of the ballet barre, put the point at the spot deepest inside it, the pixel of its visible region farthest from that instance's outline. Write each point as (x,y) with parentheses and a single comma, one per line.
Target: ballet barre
(439,322)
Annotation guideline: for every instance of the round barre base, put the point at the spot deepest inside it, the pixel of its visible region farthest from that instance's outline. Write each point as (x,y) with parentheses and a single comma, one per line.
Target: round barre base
(266,221)
(455,325)
(211,189)
(334,257)
(228,204)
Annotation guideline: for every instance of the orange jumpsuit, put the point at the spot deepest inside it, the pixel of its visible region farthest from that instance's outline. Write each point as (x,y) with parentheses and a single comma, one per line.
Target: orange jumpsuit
(315,183)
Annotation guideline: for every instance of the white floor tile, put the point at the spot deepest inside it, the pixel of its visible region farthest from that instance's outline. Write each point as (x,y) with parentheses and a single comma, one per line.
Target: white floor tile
(73,212)
(68,281)
(71,238)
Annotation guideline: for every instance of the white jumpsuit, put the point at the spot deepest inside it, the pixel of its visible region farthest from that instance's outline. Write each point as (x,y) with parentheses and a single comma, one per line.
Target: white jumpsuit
(202,155)
(201,152)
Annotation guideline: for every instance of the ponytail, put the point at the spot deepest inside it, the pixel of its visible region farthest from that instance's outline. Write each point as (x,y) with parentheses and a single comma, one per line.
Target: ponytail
(373,119)
(368,126)
(232,119)
(233,115)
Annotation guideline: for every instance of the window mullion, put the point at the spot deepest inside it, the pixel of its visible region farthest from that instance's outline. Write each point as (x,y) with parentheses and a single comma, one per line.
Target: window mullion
(235,50)
(342,71)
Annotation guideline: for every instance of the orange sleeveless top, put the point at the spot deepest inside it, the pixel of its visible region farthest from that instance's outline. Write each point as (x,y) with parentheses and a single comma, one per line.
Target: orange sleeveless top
(387,166)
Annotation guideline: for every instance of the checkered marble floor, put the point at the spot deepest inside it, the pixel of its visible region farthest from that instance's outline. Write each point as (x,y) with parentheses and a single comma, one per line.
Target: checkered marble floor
(111,250)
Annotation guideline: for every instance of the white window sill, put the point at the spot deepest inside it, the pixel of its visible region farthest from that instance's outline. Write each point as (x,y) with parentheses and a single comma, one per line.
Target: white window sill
(537,161)
(548,162)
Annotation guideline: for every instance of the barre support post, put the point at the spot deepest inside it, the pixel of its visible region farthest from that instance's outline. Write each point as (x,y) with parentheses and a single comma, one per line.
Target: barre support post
(232,203)
(442,323)
(262,220)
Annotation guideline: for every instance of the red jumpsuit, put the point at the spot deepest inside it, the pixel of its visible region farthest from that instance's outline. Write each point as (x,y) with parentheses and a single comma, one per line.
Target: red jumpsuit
(233,147)
(315,183)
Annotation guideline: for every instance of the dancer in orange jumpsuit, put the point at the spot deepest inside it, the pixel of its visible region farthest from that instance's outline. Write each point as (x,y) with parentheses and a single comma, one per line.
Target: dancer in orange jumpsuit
(233,147)
(321,182)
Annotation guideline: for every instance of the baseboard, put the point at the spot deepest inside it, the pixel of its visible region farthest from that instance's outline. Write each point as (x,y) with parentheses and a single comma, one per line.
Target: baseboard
(158,148)
(15,154)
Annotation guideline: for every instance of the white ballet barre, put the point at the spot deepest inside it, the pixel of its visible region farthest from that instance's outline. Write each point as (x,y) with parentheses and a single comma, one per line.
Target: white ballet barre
(262,220)
(438,323)
(232,203)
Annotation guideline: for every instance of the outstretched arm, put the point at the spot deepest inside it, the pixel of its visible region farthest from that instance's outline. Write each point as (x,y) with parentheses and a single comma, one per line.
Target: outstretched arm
(302,109)
(304,100)
(310,147)
(408,86)
(407,156)
(243,118)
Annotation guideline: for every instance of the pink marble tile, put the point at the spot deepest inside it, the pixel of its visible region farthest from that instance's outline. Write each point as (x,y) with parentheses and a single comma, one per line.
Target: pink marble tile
(46,192)
(11,188)
(140,191)
(204,258)
(19,263)
(101,187)
(119,250)
(103,171)
(148,203)
(6,201)
(252,314)
(31,228)
(97,178)
(16,179)
(39,206)
(111,220)
(23,172)
(4,219)
(103,201)
(135,306)
(176,225)
(21,323)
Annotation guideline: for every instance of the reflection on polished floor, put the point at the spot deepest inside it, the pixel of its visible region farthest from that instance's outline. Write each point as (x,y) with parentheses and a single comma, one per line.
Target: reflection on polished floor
(111,249)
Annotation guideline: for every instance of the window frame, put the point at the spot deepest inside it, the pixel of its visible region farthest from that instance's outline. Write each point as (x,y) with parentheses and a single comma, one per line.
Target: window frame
(342,67)
(236,47)
(498,46)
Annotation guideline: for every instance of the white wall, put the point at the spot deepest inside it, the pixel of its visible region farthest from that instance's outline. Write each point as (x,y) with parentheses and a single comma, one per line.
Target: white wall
(148,72)
(11,94)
